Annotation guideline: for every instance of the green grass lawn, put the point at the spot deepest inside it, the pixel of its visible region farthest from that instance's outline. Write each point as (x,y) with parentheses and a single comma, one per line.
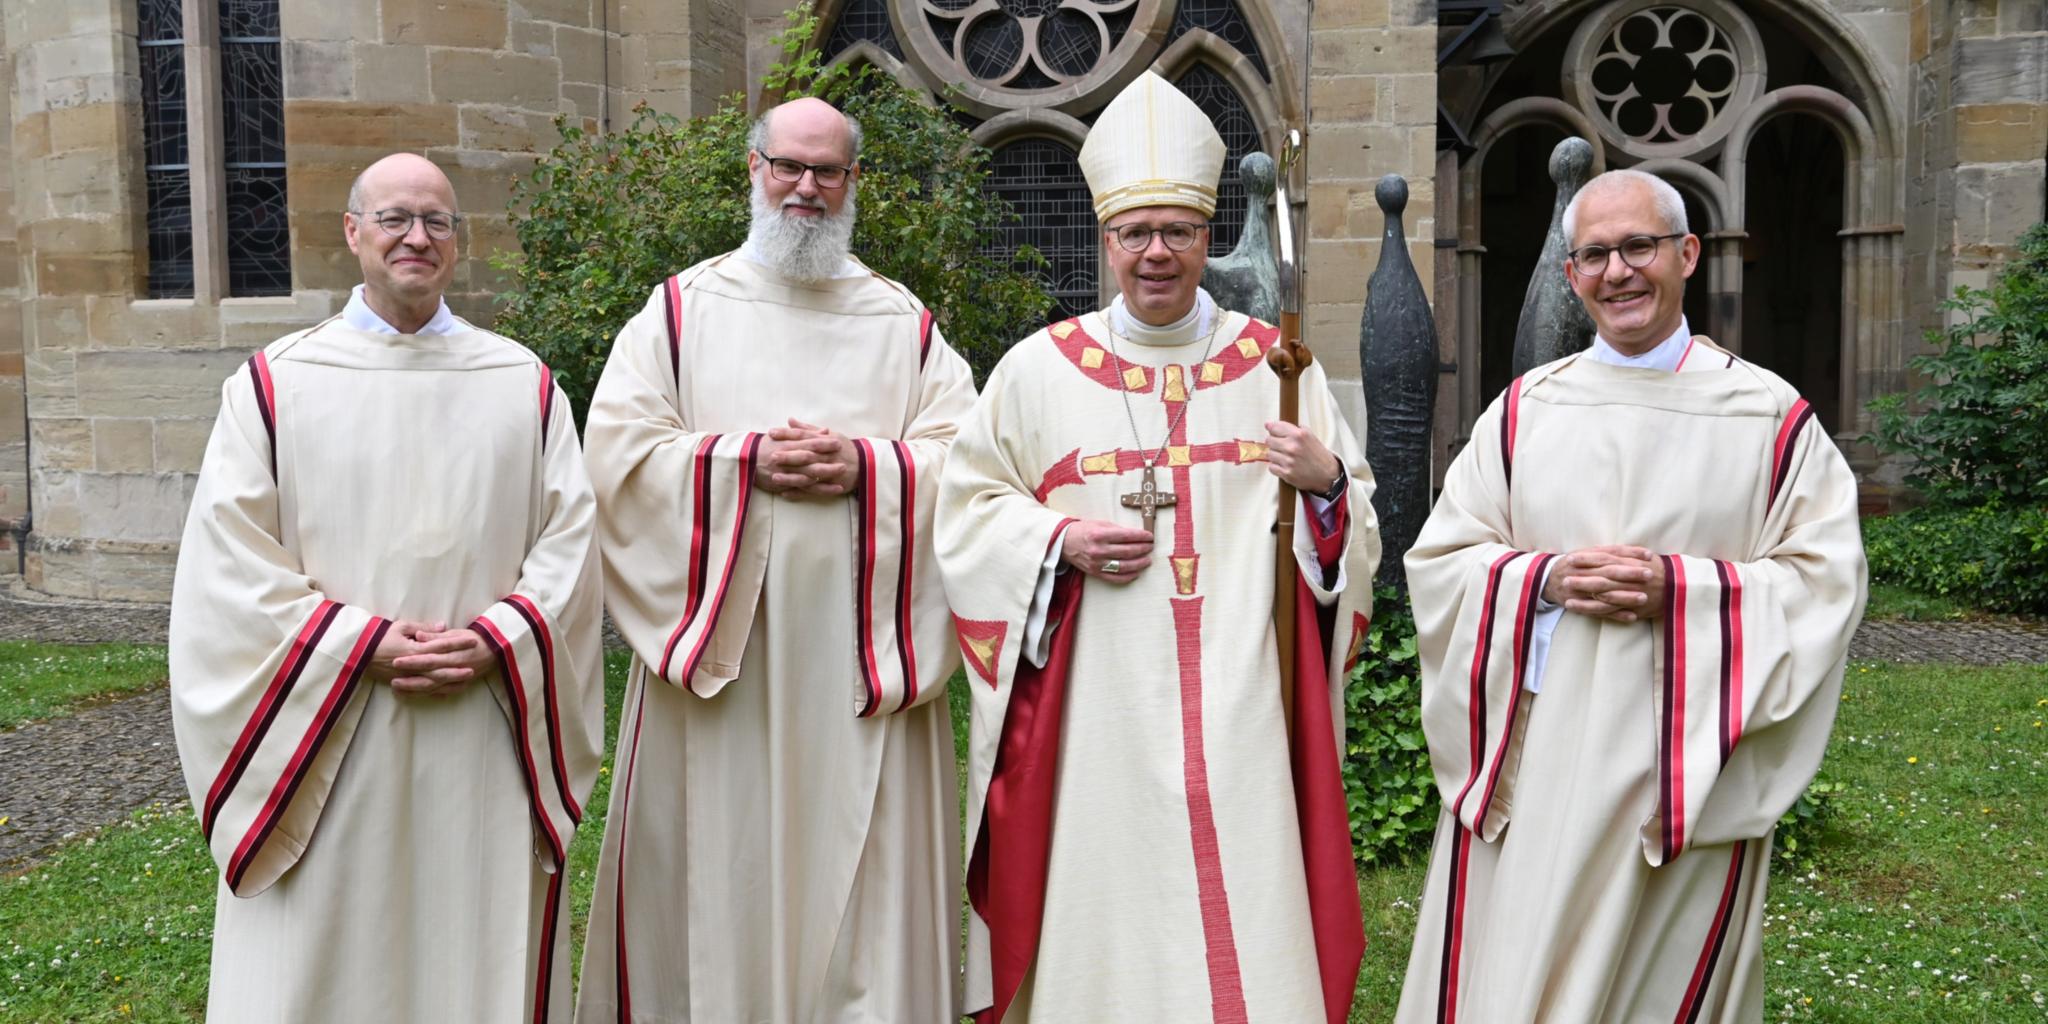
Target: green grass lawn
(42,680)
(1926,898)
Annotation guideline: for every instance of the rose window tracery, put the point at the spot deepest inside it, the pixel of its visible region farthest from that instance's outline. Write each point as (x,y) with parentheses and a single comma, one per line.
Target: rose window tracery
(1028,44)
(1661,79)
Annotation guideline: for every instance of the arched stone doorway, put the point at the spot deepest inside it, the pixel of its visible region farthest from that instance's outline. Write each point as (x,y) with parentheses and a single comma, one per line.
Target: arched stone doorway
(1768,118)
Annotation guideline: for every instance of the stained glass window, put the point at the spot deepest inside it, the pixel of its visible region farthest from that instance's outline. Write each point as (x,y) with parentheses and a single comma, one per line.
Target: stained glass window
(1042,181)
(1240,132)
(258,237)
(863,20)
(1226,21)
(166,169)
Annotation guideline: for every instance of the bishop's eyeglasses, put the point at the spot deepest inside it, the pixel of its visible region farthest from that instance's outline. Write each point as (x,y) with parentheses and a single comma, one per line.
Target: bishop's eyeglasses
(826,175)
(1637,251)
(397,222)
(1179,236)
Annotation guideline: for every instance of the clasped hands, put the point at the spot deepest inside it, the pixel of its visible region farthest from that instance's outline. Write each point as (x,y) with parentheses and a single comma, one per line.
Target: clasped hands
(805,461)
(429,658)
(1616,582)
(1115,553)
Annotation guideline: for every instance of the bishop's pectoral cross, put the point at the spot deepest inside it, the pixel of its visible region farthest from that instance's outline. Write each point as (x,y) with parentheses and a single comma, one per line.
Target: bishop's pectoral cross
(1149,500)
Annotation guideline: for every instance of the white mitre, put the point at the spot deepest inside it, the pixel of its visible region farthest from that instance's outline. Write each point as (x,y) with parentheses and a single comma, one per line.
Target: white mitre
(1152,147)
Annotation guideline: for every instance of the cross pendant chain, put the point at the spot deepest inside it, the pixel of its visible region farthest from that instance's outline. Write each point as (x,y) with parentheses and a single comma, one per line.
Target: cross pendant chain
(1150,499)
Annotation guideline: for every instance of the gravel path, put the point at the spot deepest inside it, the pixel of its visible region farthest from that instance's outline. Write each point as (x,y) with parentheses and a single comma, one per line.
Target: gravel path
(72,774)
(68,775)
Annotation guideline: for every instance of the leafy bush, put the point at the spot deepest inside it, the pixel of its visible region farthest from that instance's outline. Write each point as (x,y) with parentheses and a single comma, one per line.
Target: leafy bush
(1981,430)
(1387,781)
(1990,556)
(604,218)
(1799,831)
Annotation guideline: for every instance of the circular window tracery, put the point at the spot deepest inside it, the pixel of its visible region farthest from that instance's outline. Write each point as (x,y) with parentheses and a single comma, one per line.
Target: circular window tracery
(1664,80)
(1004,54)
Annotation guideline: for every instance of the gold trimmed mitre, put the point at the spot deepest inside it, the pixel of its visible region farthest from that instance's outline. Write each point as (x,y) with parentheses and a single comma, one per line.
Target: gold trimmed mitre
(1152,147)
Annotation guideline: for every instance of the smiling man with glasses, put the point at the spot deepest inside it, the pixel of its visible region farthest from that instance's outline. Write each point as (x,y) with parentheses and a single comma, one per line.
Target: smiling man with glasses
(385,655)
(1633,604)
(766,443)
(1152,836)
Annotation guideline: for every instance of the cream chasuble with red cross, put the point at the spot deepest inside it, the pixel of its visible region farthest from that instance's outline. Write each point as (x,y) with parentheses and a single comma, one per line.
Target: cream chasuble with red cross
(1144,845)
(782,841)
(388,856)
(1604,844)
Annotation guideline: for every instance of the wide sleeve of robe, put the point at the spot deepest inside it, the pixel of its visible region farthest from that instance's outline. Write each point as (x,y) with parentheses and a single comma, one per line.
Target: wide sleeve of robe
(1474,595)
(1750,654)
(547,636)
(686,537)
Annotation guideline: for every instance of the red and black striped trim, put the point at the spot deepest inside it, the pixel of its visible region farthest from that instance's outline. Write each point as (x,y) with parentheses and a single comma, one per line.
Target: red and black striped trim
(1454,924)
(624,818)
(732,558)
(547,404)
(672,294)
(1482,653)
(545,641)
(1525,632)
(515,691)
(1510,421)
(1781,457)
(309,748)
(1731,657)
(906,647)
(1671,747)
(864,576)
(258,726)
(924,337)
(700,541)
(1717,936)
(266,402)
(544,980)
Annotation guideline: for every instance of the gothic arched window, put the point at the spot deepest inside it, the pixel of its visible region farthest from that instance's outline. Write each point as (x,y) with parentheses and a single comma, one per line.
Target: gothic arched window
(1042,180)
(1240,132)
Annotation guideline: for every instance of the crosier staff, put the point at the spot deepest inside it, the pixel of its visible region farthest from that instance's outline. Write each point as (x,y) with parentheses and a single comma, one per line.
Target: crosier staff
(1288,358)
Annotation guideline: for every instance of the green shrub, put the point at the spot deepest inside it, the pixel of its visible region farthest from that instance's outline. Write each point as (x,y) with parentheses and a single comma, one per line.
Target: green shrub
(605,217)
(1799,831)
(1387,781)
(1981,430)
(1991,556)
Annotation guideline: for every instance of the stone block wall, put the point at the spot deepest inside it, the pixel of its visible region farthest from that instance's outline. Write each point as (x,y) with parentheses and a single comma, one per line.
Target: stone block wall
(1977,144)
(1372,95)
(13,396)
(121,390)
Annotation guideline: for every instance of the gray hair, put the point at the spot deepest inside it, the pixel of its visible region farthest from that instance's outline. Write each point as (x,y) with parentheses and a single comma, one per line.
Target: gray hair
(1669,204)
(757,138)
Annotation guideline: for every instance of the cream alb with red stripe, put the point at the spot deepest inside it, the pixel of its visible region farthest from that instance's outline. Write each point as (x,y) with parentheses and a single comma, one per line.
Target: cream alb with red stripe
(1601,852)
(355,478)
(782,836)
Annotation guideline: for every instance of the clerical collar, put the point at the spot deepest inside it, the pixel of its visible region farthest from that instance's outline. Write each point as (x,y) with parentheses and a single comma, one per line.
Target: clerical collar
(359,315)
(1188,329)
(1666,356)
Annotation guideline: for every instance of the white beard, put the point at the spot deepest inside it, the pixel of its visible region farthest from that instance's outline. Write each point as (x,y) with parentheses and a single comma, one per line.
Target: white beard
(801,248)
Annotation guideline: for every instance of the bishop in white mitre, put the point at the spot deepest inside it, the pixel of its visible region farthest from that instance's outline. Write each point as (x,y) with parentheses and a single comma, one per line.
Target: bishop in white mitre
(1145,841)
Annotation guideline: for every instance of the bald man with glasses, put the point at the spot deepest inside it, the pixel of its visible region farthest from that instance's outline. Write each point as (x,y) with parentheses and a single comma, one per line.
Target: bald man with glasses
(385,661)
(1633,604)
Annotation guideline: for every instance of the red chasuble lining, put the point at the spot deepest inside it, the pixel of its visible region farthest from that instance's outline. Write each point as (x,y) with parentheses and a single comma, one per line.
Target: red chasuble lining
(1319,801)
(267,707)
(338,696)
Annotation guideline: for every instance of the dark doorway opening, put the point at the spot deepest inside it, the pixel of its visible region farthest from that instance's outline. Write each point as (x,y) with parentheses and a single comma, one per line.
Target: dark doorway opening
(1792,260)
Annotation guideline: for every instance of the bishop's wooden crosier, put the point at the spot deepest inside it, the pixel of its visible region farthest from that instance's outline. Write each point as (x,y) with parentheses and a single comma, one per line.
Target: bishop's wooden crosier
(1288,357)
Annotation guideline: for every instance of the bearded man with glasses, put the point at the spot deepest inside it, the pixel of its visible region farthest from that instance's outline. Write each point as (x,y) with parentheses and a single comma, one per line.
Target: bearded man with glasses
(1138,809)
(386,671)
(1633,604)
(766,443)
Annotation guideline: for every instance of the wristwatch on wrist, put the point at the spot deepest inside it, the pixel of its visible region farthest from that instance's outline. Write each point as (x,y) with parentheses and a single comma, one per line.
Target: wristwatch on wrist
(1337,486)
